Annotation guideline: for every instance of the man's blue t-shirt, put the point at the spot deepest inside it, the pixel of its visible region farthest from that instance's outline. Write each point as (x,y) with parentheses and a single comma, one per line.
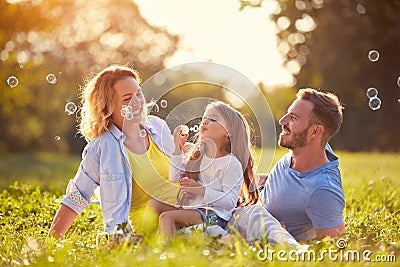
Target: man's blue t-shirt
(304,201)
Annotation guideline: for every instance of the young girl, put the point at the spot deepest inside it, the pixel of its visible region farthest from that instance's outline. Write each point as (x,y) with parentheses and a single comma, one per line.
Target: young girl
(105,162)
(219,171)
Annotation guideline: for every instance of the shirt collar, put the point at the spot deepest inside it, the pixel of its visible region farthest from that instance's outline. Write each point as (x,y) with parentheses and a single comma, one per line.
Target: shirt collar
(117,133)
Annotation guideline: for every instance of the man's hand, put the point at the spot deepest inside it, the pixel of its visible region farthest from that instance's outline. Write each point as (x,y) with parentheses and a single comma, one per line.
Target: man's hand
(332,232)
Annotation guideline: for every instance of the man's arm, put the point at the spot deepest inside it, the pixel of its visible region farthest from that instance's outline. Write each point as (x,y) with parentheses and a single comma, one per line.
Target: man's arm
(332,232)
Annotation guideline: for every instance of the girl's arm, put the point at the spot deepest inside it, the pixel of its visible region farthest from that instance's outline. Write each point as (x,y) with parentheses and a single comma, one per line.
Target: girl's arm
(178,165)
(62,221)
(176,168)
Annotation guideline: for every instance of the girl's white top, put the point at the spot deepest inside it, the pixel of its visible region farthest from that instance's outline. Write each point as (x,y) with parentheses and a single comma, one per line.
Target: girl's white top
(222,178)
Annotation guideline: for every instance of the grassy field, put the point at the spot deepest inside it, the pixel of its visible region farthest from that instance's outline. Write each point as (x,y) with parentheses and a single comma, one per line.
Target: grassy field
(370,180)
(49,171)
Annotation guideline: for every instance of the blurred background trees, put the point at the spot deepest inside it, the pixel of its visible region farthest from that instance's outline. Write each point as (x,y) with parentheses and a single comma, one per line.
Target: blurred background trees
(71,39)
(326,43)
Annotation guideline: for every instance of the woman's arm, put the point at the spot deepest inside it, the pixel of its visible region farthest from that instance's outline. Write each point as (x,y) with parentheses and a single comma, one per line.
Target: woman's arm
(76,200)
(62,221)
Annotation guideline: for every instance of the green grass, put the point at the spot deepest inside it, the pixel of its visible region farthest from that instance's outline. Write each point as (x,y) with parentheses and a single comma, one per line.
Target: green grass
(49,171)
(371,184)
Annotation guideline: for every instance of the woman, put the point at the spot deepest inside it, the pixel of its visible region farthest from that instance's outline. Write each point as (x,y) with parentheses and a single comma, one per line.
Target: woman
(105,162)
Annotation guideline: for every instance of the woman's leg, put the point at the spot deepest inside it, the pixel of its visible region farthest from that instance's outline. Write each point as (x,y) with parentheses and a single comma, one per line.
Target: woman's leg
(172,220)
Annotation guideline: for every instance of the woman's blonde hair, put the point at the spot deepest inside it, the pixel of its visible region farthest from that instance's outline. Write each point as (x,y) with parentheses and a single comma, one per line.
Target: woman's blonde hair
(97,100)
(238,143)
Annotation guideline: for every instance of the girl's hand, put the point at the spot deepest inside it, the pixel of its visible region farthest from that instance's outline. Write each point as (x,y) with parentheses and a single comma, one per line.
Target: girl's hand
(188,195)
(191,186)
(180,137)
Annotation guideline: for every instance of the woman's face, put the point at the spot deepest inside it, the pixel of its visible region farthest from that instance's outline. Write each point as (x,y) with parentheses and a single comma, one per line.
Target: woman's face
(128,93)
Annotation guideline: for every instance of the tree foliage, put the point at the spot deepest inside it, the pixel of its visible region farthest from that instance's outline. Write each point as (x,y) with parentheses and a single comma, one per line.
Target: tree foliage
(326,44)
(71,39)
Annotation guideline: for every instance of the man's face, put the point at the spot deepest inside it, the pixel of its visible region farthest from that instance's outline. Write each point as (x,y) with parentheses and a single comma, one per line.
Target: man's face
(295,125)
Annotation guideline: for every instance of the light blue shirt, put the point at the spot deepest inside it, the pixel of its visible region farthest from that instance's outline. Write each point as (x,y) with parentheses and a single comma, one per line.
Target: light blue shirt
(305,201)
(105,164)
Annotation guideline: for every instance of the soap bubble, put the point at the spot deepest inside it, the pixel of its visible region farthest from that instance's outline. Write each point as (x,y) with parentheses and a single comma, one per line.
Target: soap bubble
(372,92)
(373,55)
(164,103)
(142,133)
(129,115)
(57,138)
(185,130)
(375,103)
(70,108)
(51,78)
(12,81)
(195,128)
(125,109)
(398,81)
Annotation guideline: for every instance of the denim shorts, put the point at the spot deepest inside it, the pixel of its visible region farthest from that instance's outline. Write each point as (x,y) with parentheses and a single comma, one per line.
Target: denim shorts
(210,218)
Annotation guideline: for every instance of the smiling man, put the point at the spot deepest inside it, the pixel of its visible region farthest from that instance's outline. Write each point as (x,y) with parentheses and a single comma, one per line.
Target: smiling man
(304,189)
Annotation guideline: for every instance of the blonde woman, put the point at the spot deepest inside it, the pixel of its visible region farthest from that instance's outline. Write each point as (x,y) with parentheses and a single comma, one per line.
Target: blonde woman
(105,161)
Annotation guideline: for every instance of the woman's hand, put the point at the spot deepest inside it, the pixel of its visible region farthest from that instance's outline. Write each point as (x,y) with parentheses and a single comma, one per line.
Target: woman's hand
(180,137)
(190,186)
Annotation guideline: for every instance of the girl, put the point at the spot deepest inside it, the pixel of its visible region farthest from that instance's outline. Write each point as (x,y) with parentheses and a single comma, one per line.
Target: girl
(105,162)
(219,171)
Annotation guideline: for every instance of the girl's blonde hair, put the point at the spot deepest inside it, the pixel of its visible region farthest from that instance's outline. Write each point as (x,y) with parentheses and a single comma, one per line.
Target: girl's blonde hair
(97,100)
(238,143)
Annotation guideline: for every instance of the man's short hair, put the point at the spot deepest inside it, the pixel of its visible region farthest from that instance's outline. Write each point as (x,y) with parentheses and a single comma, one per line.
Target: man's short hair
(327,109)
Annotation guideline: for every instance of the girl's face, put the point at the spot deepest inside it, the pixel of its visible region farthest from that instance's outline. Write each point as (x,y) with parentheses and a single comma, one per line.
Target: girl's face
(213,126)
(127,92)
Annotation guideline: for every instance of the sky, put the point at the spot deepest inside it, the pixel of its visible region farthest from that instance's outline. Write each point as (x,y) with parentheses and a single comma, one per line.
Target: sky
(215,30)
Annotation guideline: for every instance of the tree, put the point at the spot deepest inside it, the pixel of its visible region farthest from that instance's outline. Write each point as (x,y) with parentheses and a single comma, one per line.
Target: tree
(326,45)
(70,39)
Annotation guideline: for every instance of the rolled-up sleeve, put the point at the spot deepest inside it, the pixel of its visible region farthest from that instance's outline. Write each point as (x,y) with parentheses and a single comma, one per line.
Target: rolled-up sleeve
(80,189)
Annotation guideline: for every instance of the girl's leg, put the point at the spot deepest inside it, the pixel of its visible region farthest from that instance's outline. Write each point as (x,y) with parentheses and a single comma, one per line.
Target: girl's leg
(172,220)
(151,213)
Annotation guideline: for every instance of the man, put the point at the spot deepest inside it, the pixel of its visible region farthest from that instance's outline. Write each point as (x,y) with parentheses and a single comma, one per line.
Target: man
(304,190)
